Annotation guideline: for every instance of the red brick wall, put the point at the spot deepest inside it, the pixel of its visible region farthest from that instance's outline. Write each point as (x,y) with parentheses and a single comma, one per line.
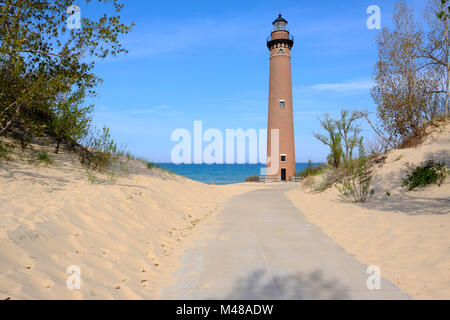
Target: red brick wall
(280,88)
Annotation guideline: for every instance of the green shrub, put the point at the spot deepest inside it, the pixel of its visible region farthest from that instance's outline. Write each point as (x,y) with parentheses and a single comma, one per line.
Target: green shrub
(428,172)
(356,178)
(311,170)
(100,150)
(130,156)
(44,158)
(70,119)
(253,179)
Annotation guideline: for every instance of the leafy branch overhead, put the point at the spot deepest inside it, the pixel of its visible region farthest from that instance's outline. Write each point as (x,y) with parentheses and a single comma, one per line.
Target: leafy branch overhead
(345,131)
(46,70)
(445,13)
(412,74)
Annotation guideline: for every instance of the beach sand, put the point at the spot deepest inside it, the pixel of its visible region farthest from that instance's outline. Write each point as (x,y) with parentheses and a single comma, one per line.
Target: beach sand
(123,231)
(127,232)
(407,234)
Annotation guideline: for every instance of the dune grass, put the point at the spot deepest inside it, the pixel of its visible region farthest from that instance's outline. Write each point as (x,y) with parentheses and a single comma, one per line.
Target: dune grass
(312,170)
(4,151)
(44,158)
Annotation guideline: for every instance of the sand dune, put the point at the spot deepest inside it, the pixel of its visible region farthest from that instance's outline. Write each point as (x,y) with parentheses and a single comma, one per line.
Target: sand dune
(122,232)
(126,232)
(407,235)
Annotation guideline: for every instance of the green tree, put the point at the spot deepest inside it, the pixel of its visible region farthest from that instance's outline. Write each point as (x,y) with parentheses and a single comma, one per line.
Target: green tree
(332,138)
(349,131)
(412,73)
(437,48)
(70,119)
(444,13)
(400,83)
(40,58)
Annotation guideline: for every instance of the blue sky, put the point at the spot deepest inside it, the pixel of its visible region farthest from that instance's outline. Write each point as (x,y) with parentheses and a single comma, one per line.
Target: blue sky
(208,60)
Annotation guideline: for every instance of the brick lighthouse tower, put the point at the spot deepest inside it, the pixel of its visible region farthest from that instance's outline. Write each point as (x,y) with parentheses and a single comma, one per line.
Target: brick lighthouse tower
(281,165)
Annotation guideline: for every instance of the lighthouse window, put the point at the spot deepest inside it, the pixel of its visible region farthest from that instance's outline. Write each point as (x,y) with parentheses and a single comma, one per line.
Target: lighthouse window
(281,51)
(283,158)
(282,104)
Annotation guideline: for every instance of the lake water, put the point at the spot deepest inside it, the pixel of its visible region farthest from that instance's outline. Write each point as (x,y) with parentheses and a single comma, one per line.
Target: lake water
(219,173)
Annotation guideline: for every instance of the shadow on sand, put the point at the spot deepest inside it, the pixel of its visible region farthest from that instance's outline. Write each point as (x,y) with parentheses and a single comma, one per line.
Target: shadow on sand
(260,285)
(412,205)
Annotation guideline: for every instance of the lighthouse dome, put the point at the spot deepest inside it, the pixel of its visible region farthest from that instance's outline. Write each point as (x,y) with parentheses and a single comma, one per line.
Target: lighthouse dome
(279,23)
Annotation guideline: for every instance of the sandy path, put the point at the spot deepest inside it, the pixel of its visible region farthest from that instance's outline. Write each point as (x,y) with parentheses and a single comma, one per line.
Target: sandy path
(408,240)
(260,246)
(407,234)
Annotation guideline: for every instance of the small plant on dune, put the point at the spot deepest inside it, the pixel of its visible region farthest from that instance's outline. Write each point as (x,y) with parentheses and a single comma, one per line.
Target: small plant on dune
(150,165)
(124,166)
(253,179)
(44,158)
(4,150)
(356,178)
(91,176)
(428,172)
(308,181)
(130,156)
(327,179)
(101,150)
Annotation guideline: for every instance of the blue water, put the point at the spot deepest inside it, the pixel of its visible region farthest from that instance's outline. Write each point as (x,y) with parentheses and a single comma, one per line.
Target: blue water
(218,173)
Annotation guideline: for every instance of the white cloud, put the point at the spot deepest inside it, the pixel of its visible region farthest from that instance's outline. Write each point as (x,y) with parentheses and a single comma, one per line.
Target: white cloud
(161,110)
(143,111)
(179,36)
(345,87)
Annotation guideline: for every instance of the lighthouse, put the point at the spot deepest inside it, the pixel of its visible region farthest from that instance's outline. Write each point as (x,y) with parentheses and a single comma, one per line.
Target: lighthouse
(281,160)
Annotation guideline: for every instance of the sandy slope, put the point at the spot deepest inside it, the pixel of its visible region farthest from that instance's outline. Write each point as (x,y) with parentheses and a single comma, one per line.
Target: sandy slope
(122,233)
(407,235)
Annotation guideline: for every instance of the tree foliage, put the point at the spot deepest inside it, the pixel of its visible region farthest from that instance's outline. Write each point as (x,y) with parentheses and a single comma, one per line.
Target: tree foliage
(70,118)
(349,131)
(41,61)
(412,72)
(444,13)
(437,48)
(332,139)
(343,131)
